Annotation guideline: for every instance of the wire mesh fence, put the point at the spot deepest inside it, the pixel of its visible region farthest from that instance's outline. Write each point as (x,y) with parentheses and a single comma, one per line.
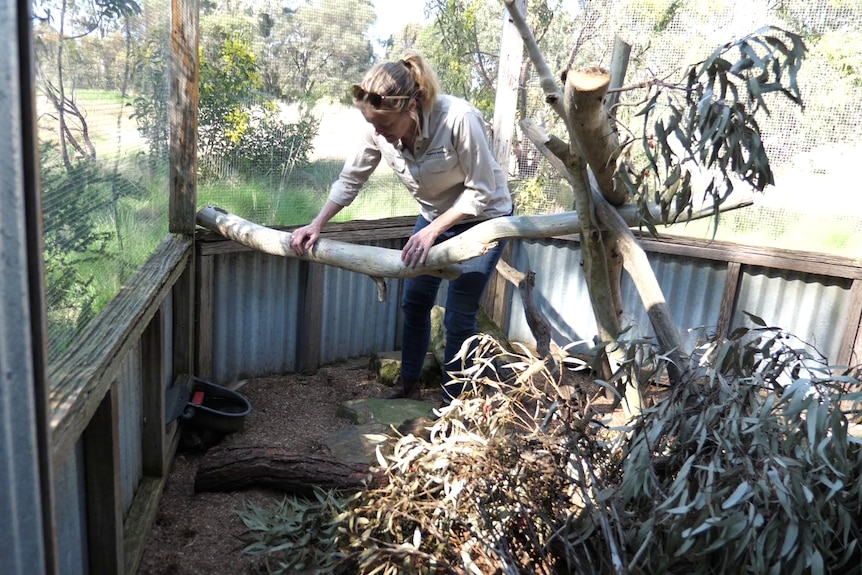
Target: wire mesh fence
(276,120)
(102,89)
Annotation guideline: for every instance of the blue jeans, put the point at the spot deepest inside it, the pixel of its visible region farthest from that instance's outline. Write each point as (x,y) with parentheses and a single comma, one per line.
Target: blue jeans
(462,307)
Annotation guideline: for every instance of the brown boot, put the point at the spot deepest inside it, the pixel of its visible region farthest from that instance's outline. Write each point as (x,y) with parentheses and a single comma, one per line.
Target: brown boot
(405,389)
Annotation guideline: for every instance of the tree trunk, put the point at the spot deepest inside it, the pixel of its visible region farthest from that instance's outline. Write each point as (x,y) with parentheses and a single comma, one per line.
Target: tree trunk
(234,468)
(595,138)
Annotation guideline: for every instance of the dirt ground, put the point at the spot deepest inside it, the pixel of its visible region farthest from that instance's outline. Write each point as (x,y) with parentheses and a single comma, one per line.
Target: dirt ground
(201,533)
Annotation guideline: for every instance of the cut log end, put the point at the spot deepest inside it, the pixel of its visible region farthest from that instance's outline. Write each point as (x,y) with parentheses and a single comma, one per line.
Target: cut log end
(592,79)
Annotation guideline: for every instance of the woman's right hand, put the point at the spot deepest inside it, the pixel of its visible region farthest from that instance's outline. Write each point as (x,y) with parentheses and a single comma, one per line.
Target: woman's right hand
(304,238)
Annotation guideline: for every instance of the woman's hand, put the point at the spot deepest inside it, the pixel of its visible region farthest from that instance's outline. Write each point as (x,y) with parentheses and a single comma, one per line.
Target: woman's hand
(303,239)
(415,251)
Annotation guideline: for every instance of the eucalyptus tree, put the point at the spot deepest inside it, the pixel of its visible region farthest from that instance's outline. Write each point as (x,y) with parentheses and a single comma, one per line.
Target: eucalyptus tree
(58,24)
(699,138)
(463,43)
(314,49)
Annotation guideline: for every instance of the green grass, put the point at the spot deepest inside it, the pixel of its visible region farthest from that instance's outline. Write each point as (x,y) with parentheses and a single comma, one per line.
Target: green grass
(100,96)
(142,224)
(297,199)
(383,197)
(779,228)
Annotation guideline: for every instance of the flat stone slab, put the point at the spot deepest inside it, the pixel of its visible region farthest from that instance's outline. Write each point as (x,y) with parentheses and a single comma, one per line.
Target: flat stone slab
(358,443)
(374,419)
(386,411)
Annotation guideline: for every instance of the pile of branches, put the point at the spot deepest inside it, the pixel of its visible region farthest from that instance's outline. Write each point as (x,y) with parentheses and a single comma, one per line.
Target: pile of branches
(751,466)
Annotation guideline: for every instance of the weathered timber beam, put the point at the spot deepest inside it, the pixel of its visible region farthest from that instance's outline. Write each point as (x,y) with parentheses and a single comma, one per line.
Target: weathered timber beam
(380,263)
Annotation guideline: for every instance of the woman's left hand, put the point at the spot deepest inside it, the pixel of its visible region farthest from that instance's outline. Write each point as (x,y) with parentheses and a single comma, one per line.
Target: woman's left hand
(415,251)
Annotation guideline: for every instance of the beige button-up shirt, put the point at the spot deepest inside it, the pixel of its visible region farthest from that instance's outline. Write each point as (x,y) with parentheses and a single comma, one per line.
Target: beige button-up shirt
(452,165)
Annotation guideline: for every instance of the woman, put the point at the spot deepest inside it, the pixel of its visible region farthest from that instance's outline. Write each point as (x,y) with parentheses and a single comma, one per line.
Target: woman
(437,146)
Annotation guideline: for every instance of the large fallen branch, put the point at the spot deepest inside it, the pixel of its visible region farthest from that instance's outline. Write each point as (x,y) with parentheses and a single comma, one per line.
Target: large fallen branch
(378,263)
(234,468)
(443,259)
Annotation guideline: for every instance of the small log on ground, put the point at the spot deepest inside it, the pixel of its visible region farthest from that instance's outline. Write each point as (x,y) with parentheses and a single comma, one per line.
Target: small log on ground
(236,468)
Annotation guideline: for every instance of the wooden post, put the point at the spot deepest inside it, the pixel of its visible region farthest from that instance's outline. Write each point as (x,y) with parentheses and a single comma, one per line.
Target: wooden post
(728,299)
(184,116)
(104,501)
(205,289)
(508,73)
(155,460)
(850,352)
(184,328)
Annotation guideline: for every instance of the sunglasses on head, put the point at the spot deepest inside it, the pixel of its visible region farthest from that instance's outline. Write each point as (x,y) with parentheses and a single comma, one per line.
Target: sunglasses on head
(360,94)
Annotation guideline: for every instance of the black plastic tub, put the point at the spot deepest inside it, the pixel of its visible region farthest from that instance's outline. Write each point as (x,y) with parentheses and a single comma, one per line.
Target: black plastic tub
(212,406)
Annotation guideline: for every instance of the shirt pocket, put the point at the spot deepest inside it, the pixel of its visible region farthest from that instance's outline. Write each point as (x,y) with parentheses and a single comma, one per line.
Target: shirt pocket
(440,161)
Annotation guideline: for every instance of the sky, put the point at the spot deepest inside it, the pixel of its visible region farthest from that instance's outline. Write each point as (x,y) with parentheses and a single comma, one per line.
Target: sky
(393,14)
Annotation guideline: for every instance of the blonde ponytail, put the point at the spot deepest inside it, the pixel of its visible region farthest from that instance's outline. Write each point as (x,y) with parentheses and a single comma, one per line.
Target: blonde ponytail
(424,76)
(409,77)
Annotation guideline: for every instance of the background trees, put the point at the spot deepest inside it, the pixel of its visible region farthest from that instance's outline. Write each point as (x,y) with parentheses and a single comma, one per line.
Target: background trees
(314,49)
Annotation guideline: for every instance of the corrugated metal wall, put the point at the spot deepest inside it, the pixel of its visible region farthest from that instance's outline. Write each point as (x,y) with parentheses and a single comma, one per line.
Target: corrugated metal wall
(693,290)
(260,314)
(353,323)
(256,315)
(560,292)
(813,308)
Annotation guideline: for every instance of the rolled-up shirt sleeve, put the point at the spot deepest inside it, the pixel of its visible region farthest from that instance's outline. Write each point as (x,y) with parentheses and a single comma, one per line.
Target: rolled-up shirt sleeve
(356,171)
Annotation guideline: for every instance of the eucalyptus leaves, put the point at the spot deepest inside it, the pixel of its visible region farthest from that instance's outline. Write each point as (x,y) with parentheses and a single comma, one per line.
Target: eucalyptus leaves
(749,468)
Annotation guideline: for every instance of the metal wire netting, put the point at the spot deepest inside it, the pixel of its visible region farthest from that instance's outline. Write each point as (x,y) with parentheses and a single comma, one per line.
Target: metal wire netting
(813,205)
(275,119)
(102,89)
